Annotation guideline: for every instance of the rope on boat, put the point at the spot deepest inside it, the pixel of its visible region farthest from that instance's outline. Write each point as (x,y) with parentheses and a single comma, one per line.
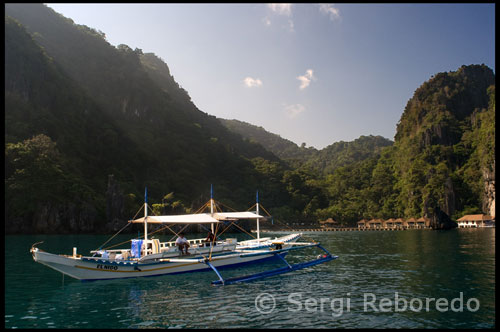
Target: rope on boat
(217,207)
(176,234)
(202,207)
(205,258)
(118,244)
(251,207)
(212,243)
(283,224)
(100,247)
(226,228)
(230,208)
(244,231)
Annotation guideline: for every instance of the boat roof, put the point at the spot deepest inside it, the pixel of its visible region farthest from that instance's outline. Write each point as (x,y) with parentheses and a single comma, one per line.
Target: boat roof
(198,218)
(236,215)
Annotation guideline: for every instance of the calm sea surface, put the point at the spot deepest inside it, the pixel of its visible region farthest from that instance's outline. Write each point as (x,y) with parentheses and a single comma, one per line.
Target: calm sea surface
(445,278)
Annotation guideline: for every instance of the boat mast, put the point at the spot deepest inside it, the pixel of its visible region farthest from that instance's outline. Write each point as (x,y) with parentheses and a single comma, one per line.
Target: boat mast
(211,207)
(257,204)
(146,214)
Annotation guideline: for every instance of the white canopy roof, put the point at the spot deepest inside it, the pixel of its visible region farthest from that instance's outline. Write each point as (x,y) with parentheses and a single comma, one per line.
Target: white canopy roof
(236,215)
(199,218)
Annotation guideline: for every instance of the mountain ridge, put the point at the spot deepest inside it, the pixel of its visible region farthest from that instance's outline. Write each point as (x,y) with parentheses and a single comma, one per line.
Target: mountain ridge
(89,125)
(138,119)
(325,160)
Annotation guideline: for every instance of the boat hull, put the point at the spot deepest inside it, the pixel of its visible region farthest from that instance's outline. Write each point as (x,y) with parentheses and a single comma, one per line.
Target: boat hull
(95,269)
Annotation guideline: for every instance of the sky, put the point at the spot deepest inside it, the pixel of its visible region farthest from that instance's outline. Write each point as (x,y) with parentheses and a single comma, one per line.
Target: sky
(311,73)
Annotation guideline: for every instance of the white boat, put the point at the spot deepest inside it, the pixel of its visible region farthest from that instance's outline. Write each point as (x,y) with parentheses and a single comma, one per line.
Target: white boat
(150,257)
(265,243)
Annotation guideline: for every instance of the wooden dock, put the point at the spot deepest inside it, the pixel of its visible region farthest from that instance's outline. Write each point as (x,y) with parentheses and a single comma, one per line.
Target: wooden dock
(339,229)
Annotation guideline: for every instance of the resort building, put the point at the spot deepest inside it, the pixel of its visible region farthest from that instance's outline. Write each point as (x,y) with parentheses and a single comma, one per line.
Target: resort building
(375,223)
(328,223)
(423,222)
(362,223)
(392,223)
(399,223)
(476,220)
(411,223)
(389,223)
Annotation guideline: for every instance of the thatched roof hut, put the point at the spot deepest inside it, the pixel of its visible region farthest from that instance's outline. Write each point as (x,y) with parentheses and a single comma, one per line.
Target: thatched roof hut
(362,222)
(425,221)
(327,222)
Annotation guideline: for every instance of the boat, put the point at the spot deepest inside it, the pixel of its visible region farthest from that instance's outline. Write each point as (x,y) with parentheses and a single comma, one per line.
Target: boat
(149,257)
(266,243)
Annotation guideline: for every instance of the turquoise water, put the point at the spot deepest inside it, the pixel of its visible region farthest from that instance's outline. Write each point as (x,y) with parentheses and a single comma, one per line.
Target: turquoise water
(366,287)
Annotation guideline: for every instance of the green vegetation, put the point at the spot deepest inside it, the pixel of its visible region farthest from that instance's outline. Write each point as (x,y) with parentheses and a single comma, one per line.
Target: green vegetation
(438,142)
(443,151)
(323,161)
(78,110)
(281,147)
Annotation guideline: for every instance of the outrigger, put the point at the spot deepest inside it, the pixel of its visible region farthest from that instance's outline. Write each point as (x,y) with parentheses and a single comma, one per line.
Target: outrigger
(150,257)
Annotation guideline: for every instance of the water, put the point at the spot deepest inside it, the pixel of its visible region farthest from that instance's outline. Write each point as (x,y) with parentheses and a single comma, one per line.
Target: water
(455,266)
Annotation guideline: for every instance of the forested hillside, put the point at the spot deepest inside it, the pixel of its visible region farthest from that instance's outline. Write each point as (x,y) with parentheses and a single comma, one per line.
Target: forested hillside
(107,111)
(322,161)
(445,143)
(89,125)
(281,147)
(443,158)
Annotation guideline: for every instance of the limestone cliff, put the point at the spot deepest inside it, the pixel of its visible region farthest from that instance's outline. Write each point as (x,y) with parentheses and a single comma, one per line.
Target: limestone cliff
(489,191)
(114,205)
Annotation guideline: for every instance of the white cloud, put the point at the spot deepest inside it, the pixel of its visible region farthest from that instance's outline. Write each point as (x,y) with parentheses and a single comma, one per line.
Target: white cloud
(281,8)
(284,9)
(293,110)
(251,82)
(306,79)
(328,9)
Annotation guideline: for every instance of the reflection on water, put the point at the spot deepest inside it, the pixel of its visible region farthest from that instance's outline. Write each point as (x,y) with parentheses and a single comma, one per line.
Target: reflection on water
(414,264)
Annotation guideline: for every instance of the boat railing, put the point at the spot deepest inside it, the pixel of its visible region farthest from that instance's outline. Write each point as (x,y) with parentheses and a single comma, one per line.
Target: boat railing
(168,246)
(197,242)
(116,251)
(164,245)
(254,240)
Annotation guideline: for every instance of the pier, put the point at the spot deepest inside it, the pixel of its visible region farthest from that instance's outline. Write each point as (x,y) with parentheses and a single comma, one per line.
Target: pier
(331,225)
(338,229)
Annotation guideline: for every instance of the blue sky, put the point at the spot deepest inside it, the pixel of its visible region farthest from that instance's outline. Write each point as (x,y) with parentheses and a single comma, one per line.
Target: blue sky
(313,73)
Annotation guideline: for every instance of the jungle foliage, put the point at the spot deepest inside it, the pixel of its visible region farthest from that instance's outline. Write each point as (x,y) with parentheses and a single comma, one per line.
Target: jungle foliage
(78,109)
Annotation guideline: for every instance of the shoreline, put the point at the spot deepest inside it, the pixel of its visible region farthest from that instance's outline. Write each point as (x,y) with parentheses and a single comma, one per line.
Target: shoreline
(351,229)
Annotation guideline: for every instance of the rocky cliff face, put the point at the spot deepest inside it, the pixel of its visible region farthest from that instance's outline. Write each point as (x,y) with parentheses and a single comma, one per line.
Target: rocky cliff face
(489,191)
(440,220)
(67,218)
(55,218)
(449,198)
(114,205)
(444,141)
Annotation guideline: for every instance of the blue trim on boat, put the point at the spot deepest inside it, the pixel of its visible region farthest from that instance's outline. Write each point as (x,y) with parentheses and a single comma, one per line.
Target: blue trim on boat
(129,262)
(200,270)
